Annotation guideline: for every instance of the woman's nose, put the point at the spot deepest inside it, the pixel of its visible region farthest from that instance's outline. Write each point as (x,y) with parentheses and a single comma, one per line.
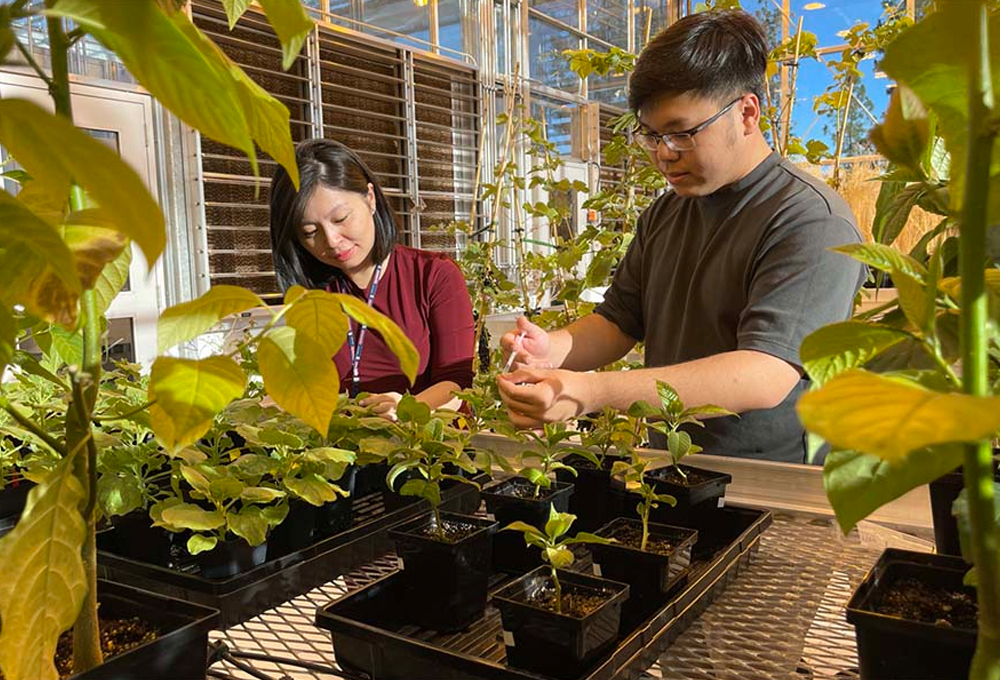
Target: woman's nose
(331,236)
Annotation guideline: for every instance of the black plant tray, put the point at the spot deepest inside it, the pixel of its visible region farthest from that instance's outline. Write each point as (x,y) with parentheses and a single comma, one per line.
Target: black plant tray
(369,637)
(245,595)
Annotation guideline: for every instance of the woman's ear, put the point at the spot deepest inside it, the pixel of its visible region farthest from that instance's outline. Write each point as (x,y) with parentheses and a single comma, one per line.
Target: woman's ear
(371,198)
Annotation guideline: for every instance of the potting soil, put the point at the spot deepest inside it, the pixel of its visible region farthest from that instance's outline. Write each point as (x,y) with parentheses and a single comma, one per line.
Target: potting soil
(915,600)
(670,474)
(453,531)
(631,536)
(577,601)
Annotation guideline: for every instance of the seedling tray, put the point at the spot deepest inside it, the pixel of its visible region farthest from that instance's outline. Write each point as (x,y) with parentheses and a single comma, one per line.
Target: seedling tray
(368,635)
(245,595)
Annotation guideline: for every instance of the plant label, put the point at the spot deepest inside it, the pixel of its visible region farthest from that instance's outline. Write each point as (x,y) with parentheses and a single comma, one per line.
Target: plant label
(399,562)
(597,570)
(722,501)
(508,638)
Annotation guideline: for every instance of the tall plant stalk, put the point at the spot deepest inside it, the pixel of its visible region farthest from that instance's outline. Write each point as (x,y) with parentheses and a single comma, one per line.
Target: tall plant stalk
(841,131)
(86,632)
(978,457)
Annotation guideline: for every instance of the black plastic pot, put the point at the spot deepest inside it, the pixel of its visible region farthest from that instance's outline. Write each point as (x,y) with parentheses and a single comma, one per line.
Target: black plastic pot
(890,648)
(333,518)
(135,537)
(445,584)
(693,500)
(295,532)
(651,577)
(944,490)
(558,645)
(370,479)
(180,650)
(597,496)
(231,557)
(13,496)
(510,553)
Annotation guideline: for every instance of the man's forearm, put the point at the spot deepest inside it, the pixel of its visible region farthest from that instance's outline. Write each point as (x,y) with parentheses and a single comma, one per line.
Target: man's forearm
(739,381)
(588,343)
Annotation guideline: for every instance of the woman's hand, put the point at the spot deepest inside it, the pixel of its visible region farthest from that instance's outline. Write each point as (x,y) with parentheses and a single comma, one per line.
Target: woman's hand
(383,405)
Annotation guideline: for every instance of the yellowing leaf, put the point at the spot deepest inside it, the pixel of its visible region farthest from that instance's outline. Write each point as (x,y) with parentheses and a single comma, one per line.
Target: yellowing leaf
(188,516)
(952,285)
(884,258)
(30,134)
(93,248)
(189,393)
(161,51)
(8,335)
(300,375)
(319,315)
(112,278)
(289,20)
(905,133)
(234,10)
(188,320)
(398,343)
(913,299)
(43,583)
(890,417)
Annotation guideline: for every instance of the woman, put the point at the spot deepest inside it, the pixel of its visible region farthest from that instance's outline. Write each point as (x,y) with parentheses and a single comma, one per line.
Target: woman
(338,233)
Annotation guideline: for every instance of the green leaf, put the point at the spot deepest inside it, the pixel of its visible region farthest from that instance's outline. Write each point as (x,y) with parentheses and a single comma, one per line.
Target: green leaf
(8,337)
(226,488)
(884,258)
(836,348)
(249,524)
(43,582)
(890,417)
(559,557)
(188,320)
(198,544)
(188,394)
(905,133)
(274,437)
(313,489)
(30,132)
(524,528)
(252,465)
(119,495)
(318,315)
(668,398)
(289,20)
(328,454)
(68,345)
(234,10)
(960,510)
(398,343)
(585,537)
(188,516)
(421,488)
(892,210)
(112,278)
(913,300)
(411,410)
(196,479)
(300,376)
(275,514)
(558,523)
(260,494)
(857,483)
(38,268)
(536,477)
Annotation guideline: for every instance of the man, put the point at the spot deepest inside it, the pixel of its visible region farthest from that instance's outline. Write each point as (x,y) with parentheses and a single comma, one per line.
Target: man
(727,273)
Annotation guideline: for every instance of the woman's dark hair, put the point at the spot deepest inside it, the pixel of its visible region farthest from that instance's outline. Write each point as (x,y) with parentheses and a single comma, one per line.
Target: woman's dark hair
(716,54)
(331,164)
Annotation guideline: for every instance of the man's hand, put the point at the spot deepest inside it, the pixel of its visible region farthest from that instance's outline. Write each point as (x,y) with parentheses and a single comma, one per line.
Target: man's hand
(383,405)
(534,349)
(535,396)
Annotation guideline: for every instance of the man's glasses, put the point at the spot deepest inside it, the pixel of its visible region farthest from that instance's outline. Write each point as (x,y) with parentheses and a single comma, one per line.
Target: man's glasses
(679,141)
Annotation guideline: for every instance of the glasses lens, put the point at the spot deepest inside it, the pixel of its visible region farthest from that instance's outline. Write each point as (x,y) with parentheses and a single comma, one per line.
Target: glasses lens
(680,142)
(646,140)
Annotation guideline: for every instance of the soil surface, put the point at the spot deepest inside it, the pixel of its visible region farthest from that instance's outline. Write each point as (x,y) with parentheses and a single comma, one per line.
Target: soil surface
(522,488)
(914,600)
(577,601)
(117,637)
(670,474)
(453,531)
(630,535)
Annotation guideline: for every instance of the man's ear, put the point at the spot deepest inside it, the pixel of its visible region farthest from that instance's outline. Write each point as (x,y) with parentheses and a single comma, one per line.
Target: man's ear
(750,113)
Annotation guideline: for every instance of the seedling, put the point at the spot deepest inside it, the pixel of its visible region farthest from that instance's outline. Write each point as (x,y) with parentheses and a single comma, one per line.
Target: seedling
(610,430)
(555,551)
(549,446)
(634,474)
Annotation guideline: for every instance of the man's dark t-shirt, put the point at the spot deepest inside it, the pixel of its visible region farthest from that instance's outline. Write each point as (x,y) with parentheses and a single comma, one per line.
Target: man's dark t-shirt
(745,268)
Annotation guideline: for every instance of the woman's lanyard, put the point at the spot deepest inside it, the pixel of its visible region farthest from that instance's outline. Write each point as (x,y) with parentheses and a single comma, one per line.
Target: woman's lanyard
(358,345)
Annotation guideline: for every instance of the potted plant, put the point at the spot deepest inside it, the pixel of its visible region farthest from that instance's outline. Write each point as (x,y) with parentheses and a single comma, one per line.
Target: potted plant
(606,438)
(696,491)
(557,622)
(445,557)
(651,558)
(877,422)
(528,496)
(68,235)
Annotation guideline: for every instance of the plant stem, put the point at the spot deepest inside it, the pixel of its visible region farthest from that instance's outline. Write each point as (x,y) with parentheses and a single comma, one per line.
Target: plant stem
(33,428)
(124,416)
(972,245)
(841,132)
(645,523)
(86,636)
(39,71)
(787,115)
(555,580)
(438,525)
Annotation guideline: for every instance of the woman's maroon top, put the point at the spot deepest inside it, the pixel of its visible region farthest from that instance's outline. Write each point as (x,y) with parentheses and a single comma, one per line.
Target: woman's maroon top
(425,294)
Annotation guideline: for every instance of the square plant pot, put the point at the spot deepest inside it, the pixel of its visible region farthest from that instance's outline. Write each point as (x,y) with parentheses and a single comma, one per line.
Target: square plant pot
(511,500)
(597,496)
(944,490)
(700,494)
(445,584)
(561,645)
(651,574)
(891,647)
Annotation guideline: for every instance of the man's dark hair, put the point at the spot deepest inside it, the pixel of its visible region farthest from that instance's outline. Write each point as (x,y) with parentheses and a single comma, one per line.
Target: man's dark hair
(331,164)
(715,54)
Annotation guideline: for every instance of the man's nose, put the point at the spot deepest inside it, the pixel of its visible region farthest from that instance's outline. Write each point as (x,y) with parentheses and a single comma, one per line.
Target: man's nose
(665,153)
